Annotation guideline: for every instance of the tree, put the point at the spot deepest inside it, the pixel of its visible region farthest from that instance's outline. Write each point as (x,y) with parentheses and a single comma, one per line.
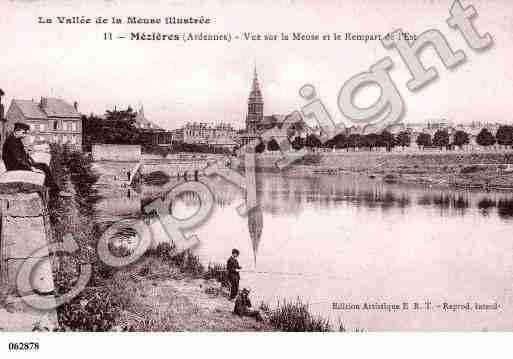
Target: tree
(295,128)
(116,128)
(441,138)
(460,138)
(403,139)
(372,140)
(340,140)
(312,141)
(272,145)
(355,140)
(260,147)
(485,138)
(297,143)
(504,135)
(424,139)
(386,139)
(123,115)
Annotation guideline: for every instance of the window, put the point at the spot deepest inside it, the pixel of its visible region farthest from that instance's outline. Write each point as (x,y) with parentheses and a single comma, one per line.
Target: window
(64,138)
(42,127)
(55,125)
(73,140)
(74,126)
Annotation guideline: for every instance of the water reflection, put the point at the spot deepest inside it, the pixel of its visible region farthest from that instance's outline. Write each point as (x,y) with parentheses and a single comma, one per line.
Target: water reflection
(282,196)
(289,196)
(505,208)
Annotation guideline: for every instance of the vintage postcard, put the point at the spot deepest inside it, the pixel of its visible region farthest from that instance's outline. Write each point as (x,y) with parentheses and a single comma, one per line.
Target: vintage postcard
(244,166)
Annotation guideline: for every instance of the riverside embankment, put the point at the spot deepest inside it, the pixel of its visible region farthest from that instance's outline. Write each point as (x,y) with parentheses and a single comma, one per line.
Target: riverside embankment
(435,168)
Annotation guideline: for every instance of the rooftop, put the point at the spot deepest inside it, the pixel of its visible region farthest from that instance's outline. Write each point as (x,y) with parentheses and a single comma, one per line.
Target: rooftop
(47,107)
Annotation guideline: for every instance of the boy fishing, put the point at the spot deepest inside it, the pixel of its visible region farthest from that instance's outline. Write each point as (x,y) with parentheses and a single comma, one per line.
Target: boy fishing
(233,267)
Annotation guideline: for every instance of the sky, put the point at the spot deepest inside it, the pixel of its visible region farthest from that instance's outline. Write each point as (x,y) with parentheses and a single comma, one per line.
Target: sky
(207,81)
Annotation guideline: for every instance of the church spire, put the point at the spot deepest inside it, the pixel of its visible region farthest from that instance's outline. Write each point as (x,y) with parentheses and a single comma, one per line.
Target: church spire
(255,105)
(255,95)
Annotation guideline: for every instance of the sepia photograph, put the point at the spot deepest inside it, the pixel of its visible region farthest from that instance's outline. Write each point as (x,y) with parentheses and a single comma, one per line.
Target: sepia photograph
(255,166)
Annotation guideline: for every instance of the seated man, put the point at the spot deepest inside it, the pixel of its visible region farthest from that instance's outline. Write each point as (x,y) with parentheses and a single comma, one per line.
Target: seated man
(243,306)
(16,158)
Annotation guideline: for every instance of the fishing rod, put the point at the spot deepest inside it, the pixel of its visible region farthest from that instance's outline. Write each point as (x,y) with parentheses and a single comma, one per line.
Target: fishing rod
(298,274)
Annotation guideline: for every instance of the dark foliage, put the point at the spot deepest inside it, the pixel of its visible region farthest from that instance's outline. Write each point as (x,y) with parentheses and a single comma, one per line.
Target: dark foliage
(185,261)
(424,139)
(296,317)
(441,138)
(272,145)
(504,135)
(260,147)
(387,140)
(312,141)
(116,128)
(297,143)
(403,139)
(94,309)
(485,138)
(460,138)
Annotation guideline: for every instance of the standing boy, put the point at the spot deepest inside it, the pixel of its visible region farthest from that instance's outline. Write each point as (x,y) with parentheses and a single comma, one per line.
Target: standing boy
(233,268)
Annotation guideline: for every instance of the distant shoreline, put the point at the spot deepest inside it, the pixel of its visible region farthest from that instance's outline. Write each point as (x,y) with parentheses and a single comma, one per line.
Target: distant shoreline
(482,170)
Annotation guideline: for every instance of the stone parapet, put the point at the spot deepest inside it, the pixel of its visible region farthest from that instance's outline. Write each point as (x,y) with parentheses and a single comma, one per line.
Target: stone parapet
(25,264)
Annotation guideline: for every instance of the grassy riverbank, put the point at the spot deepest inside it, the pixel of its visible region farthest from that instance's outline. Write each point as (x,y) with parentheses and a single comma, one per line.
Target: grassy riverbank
(177,293)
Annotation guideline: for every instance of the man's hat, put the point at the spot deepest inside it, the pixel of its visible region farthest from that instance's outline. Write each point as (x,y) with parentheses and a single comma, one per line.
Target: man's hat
(245,290)
(21,126)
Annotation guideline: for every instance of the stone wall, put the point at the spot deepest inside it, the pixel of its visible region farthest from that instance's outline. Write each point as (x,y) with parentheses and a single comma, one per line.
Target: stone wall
(25,235)
(122,153)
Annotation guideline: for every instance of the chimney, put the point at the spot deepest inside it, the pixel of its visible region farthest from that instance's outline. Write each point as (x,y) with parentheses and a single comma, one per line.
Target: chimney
(75,105)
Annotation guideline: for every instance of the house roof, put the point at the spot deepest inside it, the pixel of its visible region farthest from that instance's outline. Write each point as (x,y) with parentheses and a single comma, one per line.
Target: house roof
(30,109)
(55,107)
(48,107)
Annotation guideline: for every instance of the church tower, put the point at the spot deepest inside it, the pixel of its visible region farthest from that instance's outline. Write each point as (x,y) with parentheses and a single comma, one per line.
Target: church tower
(255,107)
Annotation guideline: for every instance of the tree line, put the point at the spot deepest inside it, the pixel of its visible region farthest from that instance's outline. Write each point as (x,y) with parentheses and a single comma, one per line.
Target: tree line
(118,127)
(385,139)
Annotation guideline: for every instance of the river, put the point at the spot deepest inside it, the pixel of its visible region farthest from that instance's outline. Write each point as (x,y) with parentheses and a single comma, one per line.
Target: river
(353,240)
